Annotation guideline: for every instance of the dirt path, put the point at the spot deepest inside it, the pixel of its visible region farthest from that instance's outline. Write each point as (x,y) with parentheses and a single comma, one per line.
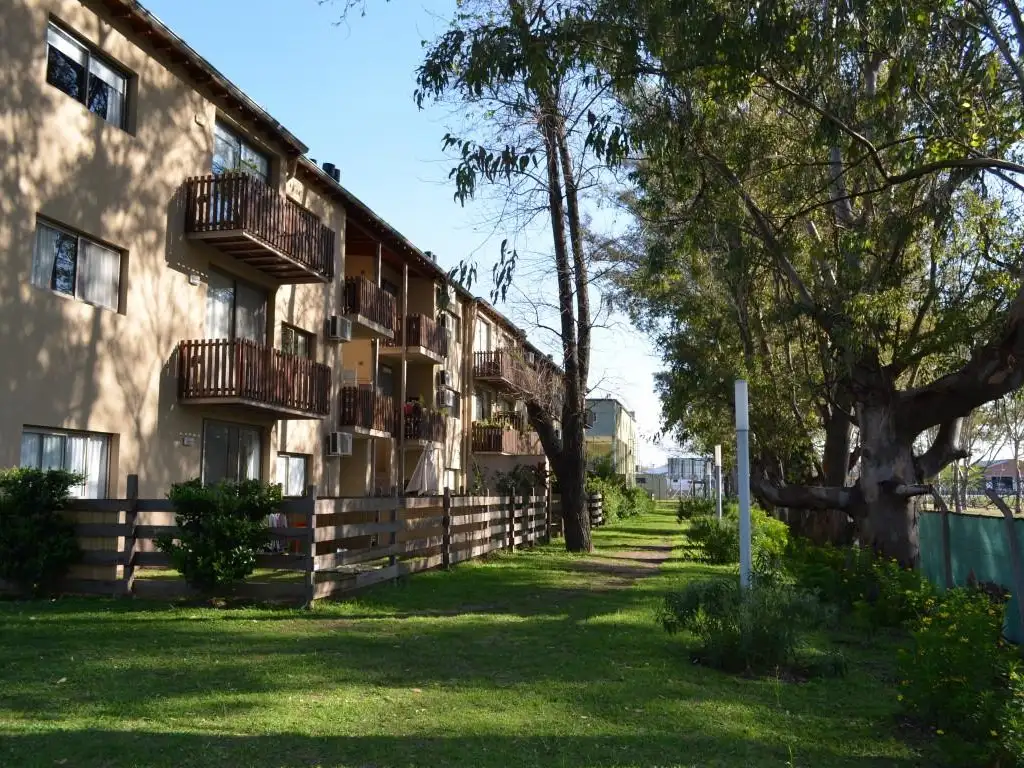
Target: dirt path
(621,569)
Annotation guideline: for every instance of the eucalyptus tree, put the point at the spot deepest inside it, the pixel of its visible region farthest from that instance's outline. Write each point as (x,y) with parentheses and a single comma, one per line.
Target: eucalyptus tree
(853,166)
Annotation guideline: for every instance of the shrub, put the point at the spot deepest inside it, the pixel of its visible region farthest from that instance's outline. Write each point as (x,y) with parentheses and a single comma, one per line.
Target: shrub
(37,544)
(718,541)
(1010,731)
(753,630)
(636,501)
(694,506)
(955,676)
(221,529)
(878,592)
(612,499)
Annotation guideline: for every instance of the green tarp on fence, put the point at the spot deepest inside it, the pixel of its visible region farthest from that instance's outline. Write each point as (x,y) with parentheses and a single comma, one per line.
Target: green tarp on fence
(977,543)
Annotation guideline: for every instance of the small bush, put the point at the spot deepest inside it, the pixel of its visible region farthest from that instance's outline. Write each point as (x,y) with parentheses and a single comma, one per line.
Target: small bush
(221,529)
(612,499)
(878,592)
(37,544)
(636,501)
(955,676)
(753,630)
(718,541)
(1010,731)
(695,506)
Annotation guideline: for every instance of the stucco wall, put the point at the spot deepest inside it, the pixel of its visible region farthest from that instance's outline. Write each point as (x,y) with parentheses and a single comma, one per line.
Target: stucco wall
(71,365)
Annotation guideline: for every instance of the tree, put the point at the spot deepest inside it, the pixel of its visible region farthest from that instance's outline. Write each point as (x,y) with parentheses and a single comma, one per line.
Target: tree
(847,170)
(515,66)
(1010,414)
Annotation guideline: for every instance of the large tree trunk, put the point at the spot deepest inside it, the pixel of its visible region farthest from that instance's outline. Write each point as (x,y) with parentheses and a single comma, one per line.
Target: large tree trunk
(888,469)
(572,479)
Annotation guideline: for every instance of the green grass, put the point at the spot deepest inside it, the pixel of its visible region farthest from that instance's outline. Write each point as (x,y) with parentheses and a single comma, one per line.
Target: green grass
(531,659)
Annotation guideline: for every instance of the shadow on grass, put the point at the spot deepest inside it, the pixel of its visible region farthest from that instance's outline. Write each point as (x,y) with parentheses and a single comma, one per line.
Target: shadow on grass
(113,749)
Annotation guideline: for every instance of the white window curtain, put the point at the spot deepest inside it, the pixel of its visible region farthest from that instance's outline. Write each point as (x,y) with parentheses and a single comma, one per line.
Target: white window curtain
(96,468)
(99,274)
(52,453)
(75,461)
(220,303)
(250,313)
(249,454)
(114,84)
(291,474)
(31,444)
(45,255)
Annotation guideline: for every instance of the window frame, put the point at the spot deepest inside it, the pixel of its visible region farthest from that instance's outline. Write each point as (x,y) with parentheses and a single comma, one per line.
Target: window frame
(79,237)
(91,52)
(235,283)
(305,458)
(295,331)
(103,481)
(243,144)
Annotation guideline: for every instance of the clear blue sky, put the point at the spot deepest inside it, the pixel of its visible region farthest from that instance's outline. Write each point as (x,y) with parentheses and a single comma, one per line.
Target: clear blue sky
(346,91)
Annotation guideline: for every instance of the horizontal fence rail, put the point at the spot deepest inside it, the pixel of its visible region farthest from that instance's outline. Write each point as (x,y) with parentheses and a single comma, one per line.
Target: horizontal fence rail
(321,546)
(239,369)
(239,202)
(372,302)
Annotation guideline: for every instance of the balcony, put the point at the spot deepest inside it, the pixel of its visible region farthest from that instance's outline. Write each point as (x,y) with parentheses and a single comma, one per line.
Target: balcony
(502,369)
(246,219)
(367,413)
(425,341)
(504,439)
(243,373)
(425,427)
(372,310)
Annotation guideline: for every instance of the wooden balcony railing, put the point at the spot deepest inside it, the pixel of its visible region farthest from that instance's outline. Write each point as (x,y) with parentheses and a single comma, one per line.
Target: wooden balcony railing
(511,419)
(491,439)
(425,425)
(500,367)
(364,408)
(423,332)
(241,371)
(371,301)
(250,221)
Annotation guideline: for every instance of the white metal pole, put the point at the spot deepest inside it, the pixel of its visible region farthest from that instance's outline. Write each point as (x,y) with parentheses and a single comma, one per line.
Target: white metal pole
(743,470)
(718,479)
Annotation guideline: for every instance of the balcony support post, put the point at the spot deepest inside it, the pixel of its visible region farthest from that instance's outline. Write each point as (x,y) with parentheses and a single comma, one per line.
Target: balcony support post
(403,388)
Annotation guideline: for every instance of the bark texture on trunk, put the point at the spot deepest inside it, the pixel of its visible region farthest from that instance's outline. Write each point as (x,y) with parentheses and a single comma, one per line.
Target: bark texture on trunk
(890,524)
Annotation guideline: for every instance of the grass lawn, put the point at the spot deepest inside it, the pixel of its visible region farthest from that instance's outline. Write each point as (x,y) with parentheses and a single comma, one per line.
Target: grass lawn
(533,659)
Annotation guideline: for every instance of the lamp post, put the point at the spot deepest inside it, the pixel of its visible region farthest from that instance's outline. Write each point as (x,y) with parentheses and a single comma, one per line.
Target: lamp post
(743,471)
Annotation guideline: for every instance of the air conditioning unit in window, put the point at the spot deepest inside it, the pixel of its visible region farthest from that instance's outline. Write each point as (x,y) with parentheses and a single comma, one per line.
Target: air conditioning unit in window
(444,378)
(446,398)
(339,444)
(339,328)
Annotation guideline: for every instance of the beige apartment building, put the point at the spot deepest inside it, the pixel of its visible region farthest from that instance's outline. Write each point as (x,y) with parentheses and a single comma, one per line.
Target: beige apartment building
(185,294)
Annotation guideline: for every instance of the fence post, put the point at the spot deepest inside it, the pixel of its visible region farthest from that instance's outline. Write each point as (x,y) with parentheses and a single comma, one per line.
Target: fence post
(512,523)
(446,521)
(309,504)
(548,512)
(947,555)
(131,514)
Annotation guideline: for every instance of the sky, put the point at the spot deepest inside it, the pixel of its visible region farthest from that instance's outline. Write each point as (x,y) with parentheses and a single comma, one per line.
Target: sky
(345,89)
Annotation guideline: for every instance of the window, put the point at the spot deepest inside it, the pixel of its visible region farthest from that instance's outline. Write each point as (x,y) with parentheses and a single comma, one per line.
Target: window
(291,473)
(386,381)
(235,310)
(456,409)
(453,323)
(483,337)
(232,153)
(231,452)
(74,265)
(296,342)
(76,69)
(481,405)
(80,452)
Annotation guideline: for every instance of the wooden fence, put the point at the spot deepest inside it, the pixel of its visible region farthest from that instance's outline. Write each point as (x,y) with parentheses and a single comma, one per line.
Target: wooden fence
(329,547)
